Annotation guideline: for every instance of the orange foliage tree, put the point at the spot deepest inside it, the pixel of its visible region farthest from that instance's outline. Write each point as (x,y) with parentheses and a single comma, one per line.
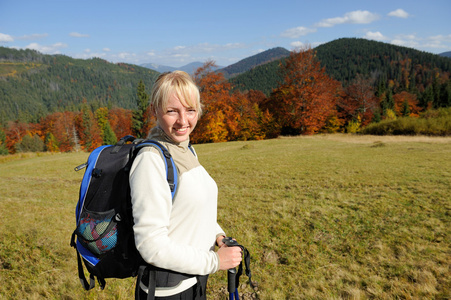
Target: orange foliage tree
(307,97)
(87,129)
(406,104)
(219,122)
(59,129)
(358,101)
(14,134)
(227,116)
(120,121)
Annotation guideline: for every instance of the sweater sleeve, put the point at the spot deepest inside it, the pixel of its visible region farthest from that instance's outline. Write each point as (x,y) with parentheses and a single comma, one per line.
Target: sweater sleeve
(152,205)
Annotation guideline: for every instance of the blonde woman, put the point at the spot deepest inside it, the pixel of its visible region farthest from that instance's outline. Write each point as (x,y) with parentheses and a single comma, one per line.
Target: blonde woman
(177,237)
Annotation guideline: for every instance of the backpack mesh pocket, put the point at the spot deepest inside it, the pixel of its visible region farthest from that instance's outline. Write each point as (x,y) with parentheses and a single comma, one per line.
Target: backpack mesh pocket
(97,232)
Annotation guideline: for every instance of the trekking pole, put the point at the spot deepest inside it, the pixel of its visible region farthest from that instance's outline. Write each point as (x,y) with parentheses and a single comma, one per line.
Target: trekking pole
(231,273)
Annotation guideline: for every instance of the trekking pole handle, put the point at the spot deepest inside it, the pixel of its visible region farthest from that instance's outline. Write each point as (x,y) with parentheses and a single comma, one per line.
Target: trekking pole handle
(231,273)
(231,280)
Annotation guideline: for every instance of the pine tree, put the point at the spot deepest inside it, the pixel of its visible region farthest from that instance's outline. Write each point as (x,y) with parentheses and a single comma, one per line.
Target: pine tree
(139,121)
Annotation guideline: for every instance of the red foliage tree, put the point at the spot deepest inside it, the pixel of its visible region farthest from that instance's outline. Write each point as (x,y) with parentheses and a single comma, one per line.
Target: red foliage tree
(307,97)
(406,104)
(60,125)
(14,132)
(219,121)
(358,101)
(120,121)
(227,116)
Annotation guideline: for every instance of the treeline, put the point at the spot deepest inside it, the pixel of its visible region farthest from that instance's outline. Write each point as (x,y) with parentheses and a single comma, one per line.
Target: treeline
(33,85)
(307,101)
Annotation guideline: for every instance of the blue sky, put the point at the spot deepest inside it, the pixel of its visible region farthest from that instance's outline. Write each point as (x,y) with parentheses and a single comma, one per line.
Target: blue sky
(175,33)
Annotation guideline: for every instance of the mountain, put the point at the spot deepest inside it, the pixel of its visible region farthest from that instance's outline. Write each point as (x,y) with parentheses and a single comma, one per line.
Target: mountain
(189,68)
(32,84)
(254,61)
(158,68)
(232,70)
(446,54)
(344,58)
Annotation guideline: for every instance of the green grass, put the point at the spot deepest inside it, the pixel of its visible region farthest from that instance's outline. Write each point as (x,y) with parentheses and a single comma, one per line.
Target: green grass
(324,217)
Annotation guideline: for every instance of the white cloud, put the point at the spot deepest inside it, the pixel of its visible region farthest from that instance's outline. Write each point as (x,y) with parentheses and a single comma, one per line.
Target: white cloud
(34,36)
(126,55)
(49,49)
(296,32)
(78,35)
(5,38)
(106,49)
(399,13)
(353,17)
(375,36)
(297,44)
(425,43)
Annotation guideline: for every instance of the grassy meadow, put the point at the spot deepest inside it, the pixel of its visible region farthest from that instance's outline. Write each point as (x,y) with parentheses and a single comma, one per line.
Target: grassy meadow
(324,217)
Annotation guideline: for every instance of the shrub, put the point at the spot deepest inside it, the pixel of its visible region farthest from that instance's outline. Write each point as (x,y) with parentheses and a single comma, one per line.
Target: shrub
(432,122)
(30,144)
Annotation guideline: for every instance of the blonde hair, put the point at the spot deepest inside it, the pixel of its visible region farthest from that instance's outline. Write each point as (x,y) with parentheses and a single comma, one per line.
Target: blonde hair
(180,83)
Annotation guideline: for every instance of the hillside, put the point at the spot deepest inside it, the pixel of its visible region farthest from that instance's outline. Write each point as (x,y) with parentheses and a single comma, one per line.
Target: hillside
(344,58)
(254,61)
(189,68)
(446,54)
(33,85)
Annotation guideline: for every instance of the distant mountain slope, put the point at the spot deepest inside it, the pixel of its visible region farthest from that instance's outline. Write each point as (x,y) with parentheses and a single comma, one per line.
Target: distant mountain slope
(446,54)
(158,68)
(254,61)
(189,68)
(347,57)
(33,85)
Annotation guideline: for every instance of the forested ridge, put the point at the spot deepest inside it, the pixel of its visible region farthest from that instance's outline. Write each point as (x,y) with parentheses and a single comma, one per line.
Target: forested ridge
(33,85)
(57,103)
(345,58)
(251,62)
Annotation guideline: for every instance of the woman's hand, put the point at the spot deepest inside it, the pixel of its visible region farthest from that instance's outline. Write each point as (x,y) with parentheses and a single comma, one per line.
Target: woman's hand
(219,241)
(229,257)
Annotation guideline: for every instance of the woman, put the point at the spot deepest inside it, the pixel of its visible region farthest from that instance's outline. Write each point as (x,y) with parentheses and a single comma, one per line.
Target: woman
(177,235)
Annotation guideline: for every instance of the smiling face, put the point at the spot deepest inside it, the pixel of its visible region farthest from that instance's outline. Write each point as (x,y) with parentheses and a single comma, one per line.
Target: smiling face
(177,119)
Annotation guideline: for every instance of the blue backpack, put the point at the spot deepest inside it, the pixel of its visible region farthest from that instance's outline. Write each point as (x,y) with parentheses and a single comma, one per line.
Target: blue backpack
(104,238)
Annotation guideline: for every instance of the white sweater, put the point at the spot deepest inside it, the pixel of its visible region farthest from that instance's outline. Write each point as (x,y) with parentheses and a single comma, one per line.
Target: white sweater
(178,236)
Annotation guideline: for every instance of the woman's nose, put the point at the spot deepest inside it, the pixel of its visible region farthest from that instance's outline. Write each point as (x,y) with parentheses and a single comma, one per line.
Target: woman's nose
(182,118)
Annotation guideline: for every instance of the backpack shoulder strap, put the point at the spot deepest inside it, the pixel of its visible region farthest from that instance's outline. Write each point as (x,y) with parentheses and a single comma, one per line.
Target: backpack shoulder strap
(171,171)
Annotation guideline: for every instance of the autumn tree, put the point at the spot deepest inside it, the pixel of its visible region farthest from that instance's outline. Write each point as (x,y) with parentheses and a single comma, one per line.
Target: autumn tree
(14,133)
(307,96)
(218,122)
(406,104)
(87,129)
(358,101)
(106,132)
(59,131)
(121,121)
